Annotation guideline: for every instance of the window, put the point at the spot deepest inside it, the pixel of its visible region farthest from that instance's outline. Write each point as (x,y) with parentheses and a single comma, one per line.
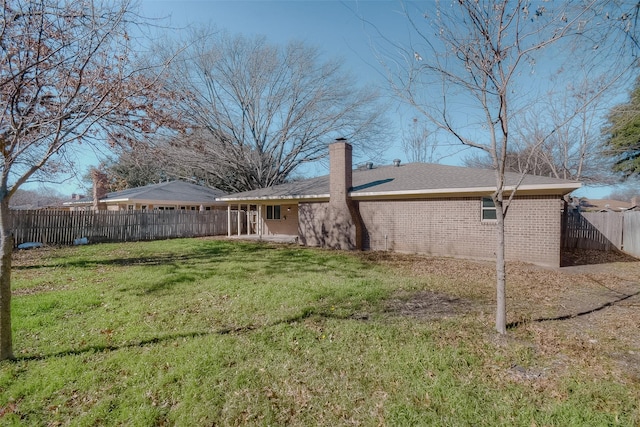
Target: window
(488,209)
(273,212)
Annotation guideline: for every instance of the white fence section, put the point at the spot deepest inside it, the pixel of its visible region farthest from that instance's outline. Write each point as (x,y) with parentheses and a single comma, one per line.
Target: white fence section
(609,224)
(603,231)
(631,233)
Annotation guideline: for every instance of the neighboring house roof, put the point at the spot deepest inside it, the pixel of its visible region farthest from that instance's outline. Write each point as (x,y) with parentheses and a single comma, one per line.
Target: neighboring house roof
(597,205)
(173,192)
(411,180)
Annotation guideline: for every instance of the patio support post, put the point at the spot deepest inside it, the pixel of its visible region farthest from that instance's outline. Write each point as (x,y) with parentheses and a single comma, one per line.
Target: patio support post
(239,220)
(229,220)
(259,207)
(248,219)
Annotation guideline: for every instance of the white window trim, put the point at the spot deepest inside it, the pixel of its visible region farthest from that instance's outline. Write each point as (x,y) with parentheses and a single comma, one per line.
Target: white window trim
(273,213)
(484,209)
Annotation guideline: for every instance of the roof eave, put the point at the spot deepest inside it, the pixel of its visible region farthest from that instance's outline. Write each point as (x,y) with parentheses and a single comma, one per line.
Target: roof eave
(158,201)
(77,203)
(299,198)
(145,201)
(538,189)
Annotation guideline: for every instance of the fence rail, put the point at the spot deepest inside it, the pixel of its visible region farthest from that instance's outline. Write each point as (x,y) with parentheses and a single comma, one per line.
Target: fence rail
(64,228)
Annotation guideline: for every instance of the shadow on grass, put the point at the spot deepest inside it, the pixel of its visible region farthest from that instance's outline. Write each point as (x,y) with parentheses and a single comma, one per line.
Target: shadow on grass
(304,314)
(273,259)
(219,251)
(209,263)
(514,325)
(167,283)
(575,257)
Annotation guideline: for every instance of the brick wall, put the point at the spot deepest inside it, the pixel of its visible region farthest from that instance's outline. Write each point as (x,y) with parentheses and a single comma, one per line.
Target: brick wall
(287,224)
(319,225)
(340,171)
(448,227)
(311,220)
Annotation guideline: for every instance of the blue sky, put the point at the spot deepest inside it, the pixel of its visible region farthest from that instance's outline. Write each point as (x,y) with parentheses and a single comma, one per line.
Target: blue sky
(349,30)
(335,26)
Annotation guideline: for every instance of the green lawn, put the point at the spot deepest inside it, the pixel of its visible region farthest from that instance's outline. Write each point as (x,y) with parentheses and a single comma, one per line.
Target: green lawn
(201,332)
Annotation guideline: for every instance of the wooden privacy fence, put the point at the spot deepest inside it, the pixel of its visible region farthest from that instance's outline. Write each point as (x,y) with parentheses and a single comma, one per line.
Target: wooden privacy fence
(631,233)
(64,228)
(579,233)
(602,231)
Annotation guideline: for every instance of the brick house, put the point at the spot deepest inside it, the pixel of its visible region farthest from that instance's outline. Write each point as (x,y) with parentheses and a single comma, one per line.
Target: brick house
(416,208)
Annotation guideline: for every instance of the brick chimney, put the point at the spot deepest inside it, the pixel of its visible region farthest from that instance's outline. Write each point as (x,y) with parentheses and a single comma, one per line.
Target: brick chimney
(340,170)
(99,189)
(343,225)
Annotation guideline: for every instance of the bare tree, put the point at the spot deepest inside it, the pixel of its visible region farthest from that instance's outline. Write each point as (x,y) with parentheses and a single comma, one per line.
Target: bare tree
(36,198)
(132,168)
(627,193)
(67,77)
(491,61)
(418,142)
(560,138)
(258,111)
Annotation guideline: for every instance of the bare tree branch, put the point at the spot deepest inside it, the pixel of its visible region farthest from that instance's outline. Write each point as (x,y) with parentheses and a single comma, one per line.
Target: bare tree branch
(69,75)
(265,110)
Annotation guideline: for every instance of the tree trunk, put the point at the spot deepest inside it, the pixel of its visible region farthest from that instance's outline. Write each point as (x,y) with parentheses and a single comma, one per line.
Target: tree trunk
(501,274)
(6,246)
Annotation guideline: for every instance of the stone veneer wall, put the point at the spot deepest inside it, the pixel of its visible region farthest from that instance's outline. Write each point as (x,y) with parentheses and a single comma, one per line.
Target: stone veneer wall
(448,227)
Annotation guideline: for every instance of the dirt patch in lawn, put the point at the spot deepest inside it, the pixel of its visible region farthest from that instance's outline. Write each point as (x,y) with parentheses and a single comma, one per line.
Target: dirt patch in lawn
(533,292)
(29,257)
(427,305)
(586,315)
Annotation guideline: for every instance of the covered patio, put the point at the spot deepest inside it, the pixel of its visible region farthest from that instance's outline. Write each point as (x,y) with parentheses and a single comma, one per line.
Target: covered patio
(264,220)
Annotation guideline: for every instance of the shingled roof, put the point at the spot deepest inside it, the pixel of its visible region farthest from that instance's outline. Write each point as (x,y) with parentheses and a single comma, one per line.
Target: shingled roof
(410,180)
(178,192)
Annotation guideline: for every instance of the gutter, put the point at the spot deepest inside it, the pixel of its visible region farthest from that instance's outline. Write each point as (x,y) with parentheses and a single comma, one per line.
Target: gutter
(557,189)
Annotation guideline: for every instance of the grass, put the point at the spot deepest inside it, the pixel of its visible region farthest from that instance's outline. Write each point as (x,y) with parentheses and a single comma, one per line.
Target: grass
(211,332)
